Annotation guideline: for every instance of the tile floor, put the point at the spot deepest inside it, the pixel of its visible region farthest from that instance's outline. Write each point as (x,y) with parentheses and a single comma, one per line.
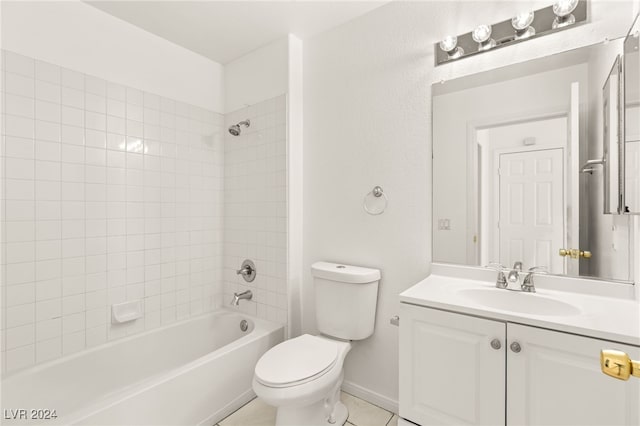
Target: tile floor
(361,413)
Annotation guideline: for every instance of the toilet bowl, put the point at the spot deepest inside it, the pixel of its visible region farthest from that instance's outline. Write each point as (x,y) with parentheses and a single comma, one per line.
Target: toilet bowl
(302,376)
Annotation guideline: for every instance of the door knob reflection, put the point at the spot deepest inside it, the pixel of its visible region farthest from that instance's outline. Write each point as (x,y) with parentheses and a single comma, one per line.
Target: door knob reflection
(574,253)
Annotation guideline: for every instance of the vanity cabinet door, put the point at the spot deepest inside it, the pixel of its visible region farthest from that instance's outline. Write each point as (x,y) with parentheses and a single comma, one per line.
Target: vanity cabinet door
(555,379)
(450,374)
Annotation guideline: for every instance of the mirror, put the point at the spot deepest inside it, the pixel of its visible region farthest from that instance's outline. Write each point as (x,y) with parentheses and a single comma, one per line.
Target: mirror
(631,152)
(518,166)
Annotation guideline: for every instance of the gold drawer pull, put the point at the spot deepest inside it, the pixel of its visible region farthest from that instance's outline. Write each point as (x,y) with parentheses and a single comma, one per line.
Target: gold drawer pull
(575,253)
(618,364)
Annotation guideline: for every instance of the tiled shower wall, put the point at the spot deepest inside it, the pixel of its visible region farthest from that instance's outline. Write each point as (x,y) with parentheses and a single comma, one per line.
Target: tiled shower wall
(255,207)
(112,194)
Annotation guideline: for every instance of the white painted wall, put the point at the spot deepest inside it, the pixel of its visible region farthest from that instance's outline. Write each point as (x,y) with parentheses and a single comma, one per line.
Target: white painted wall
(257,76)
(295,122)
(367,113)
(75,35)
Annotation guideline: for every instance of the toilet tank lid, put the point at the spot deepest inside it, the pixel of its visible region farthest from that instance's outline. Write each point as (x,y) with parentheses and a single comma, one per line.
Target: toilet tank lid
(344,273)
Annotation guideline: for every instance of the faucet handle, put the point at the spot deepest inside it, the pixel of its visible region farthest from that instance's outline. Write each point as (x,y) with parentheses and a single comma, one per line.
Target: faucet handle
(501,281)
(498,267)
(538,270)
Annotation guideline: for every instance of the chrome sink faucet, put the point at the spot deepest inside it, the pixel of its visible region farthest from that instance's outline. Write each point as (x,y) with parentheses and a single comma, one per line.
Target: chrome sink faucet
(514,274)
(526,286)
(246,295)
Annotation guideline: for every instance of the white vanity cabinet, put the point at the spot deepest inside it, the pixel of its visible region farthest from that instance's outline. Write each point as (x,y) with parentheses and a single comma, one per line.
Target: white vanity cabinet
(451,373)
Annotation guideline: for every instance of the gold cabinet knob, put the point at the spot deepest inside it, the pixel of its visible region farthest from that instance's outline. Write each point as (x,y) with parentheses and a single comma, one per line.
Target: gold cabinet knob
(617,364)
(564,252)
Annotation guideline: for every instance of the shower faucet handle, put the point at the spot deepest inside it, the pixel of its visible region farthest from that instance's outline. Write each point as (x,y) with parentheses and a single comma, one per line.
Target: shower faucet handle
(247,270)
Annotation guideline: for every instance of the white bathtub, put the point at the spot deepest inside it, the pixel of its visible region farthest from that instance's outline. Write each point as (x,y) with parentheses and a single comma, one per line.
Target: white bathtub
(193,372)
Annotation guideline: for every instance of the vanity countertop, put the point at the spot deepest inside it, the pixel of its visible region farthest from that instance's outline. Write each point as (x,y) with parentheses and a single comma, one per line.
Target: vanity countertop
(610,318)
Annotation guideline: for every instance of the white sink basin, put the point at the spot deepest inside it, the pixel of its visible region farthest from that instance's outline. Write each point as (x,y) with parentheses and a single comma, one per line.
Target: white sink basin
(516,301)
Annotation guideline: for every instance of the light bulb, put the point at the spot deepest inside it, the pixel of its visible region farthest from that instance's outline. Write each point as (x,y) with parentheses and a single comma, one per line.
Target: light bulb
(563,8)
(481,33)
(522,21)
(449,43)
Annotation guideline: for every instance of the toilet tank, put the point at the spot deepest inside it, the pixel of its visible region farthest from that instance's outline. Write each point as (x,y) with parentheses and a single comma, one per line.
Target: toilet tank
(345,299)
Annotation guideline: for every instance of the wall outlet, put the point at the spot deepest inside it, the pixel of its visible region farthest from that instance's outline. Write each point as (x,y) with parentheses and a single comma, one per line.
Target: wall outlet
(444,224)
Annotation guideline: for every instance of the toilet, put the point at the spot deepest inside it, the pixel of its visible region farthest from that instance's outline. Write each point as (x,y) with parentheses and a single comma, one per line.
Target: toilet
(302,376)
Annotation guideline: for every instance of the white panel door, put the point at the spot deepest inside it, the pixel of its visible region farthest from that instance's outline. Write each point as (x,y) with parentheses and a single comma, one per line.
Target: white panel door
(555,379)
(449,372)
(531,223)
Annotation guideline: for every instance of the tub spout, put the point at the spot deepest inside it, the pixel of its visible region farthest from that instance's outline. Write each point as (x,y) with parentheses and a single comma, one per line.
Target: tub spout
(238,296)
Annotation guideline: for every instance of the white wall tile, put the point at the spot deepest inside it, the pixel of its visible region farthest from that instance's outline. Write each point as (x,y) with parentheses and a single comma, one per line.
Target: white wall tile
(95,121)
(48,349)
(19,105)
(48,289)
(20,357)
(72,116)
(20,315)
(47,170)
(47,72)
(19,189)
(48,210)
(72,135)
(21,294)
(48,230)
(19,126)
(48,309)
(95,138)
(46,91)
(19,85)
(48,131)
(103,207)
(48,111)
(47,150)
(116,91)
(72,79)
(95,85)
(19,147)
(72,97)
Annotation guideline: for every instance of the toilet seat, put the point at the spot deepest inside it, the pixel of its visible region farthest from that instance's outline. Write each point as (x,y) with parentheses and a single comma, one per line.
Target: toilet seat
(296,361)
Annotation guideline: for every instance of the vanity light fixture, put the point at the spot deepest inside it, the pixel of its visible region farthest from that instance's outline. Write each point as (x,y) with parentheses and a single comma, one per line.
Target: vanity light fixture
(563,9)
(482,35)
(522,24)
(449,44)
(560,15)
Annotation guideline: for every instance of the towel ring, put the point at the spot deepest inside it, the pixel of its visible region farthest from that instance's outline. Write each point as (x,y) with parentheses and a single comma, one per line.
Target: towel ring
(376,194)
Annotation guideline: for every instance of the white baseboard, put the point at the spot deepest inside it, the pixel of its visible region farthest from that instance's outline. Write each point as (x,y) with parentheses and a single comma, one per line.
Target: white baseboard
(370,396)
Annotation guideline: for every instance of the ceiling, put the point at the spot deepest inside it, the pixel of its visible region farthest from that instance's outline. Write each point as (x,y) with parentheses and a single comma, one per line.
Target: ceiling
(226,30)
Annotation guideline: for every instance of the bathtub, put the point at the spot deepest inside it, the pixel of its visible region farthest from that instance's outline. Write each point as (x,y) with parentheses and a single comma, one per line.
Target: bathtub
(193,372)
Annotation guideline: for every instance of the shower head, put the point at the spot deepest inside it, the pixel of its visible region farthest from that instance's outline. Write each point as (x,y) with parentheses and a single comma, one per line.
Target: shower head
(236,129)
